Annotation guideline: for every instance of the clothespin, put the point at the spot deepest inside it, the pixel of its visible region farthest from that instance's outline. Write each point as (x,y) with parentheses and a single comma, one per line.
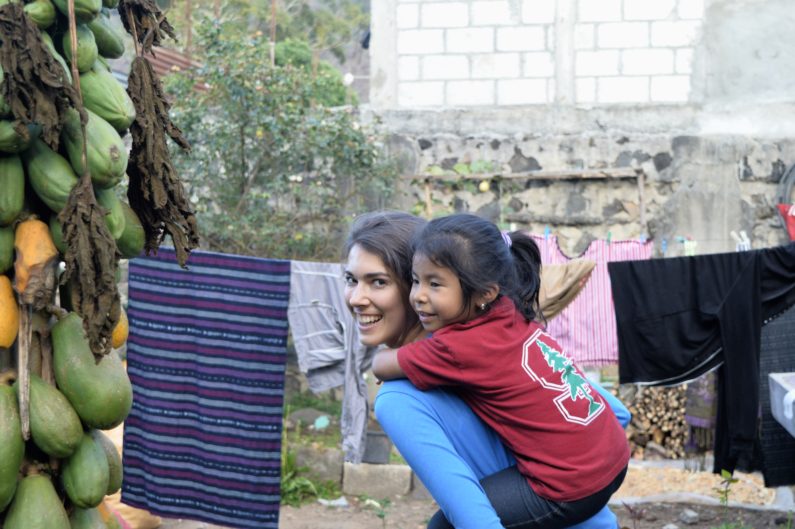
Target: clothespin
(609,237)
(736,237)
(746,244)
(642,238)
(690,247)
(664,246)
(546,233)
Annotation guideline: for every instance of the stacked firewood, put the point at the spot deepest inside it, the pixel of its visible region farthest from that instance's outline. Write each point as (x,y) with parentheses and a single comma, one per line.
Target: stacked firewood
(658,428)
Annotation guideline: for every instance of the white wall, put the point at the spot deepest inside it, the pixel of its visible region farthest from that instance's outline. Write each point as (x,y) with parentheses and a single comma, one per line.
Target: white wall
(432,53)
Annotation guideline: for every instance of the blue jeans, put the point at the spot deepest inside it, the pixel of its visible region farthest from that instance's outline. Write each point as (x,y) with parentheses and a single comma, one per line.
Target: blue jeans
(451,450)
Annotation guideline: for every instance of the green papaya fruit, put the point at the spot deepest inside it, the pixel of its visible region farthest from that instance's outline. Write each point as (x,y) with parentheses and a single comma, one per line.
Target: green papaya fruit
(36,505)
(100,392)
(12,445)
(6,248)
(115,216)
(12,183)
(56,231)
(13,140)
(45,37)
(87,519)
(106,97)
(49,174)
(110,41)
(85,10)
(84,475)
(132,240)
(54,424)
(42,12)
(86,48)
(106,154)
(114,460)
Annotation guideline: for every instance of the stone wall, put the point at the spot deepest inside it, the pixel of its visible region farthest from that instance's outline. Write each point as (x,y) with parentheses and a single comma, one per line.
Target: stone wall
(695,187)
(693,93)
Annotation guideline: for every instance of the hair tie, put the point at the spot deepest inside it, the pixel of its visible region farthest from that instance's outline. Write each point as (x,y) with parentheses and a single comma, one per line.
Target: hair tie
(507,238)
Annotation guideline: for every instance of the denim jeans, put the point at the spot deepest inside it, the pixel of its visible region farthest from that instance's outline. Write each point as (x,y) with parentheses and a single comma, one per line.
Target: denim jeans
(519,507)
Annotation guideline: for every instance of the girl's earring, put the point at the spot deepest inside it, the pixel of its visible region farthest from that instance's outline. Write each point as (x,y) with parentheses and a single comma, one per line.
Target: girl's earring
(482,306)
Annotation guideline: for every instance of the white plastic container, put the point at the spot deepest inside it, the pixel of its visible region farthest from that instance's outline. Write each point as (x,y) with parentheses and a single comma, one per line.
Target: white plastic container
(782,399)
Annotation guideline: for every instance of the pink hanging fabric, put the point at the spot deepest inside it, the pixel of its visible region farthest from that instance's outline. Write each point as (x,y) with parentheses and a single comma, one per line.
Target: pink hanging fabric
(586,329)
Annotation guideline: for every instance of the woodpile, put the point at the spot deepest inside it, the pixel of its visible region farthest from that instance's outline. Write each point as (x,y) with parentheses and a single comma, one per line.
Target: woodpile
(658,428)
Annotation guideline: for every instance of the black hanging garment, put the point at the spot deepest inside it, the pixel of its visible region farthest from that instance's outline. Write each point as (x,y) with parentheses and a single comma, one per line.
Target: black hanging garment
(679,318)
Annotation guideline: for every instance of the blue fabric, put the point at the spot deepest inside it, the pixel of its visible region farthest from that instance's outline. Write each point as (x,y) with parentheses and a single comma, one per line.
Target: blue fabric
(451,449)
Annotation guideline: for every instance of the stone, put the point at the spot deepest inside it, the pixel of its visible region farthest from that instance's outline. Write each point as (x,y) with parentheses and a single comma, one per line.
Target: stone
(376,481)
(670,526)
(688,516)
(322,464)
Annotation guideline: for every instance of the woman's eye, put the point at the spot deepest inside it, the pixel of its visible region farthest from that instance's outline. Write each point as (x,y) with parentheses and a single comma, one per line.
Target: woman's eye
(379,282)
(350,280)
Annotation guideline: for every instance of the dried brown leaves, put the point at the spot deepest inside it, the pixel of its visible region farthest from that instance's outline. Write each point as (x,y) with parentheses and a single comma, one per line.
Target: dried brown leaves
(36,86)
(91,261)
(145,22)
(156,193)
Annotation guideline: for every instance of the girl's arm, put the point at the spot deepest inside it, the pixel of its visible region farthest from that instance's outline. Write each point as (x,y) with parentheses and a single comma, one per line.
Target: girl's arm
(385,365)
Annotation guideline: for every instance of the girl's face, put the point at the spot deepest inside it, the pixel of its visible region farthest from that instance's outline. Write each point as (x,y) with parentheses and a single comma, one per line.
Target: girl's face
(374,297)
(436,295)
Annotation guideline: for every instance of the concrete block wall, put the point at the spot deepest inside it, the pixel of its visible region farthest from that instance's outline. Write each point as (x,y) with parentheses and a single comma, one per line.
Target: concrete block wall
(465,53)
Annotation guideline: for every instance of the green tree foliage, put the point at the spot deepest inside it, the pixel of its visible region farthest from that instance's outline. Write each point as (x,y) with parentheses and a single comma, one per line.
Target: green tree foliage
(327,26)
(274,170)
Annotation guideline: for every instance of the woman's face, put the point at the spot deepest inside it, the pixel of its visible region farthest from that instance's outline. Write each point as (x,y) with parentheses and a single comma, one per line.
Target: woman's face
(374,296)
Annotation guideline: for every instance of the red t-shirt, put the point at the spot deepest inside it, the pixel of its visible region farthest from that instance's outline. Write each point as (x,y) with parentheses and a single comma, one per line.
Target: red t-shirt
(566,440)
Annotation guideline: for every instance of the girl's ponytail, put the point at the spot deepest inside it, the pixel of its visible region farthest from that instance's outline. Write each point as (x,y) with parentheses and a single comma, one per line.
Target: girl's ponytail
(527,263)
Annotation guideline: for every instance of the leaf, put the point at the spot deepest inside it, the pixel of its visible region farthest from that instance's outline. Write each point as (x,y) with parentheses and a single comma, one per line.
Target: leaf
(462,169)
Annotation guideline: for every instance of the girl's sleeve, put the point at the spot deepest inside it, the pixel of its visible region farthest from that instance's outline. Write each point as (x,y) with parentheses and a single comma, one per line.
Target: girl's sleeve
(621,412)
(429,363)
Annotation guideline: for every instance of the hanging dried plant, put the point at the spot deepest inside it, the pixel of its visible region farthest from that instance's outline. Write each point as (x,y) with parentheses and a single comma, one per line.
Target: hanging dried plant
(91,260)
(36,86)
(155,192)
(145,22)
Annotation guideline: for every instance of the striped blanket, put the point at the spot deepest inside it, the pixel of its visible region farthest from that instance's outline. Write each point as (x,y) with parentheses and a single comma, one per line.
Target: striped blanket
(206,357)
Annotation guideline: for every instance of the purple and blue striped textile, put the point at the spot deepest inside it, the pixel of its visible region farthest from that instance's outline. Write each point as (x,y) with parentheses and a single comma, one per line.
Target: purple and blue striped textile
(206,357)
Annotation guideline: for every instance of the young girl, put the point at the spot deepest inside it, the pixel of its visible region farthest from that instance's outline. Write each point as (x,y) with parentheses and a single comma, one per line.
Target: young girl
(476,290)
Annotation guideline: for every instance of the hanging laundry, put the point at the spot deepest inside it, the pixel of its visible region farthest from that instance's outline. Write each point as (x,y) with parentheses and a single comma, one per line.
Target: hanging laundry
(586,329)
(206,357)
(681,317)
(560,284)
(327,345)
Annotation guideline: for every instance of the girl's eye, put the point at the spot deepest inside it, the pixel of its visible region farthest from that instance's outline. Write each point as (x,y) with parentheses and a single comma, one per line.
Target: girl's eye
(434,284)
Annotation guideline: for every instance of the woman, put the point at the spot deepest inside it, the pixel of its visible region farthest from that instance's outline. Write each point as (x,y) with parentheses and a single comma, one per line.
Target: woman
(445,443)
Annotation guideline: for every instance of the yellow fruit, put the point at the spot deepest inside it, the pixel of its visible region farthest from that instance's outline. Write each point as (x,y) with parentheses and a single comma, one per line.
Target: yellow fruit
(9,313)
(484,186)
(120,331)
(35,253)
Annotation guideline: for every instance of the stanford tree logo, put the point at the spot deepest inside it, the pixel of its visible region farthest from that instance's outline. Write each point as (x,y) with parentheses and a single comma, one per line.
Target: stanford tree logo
(556,372)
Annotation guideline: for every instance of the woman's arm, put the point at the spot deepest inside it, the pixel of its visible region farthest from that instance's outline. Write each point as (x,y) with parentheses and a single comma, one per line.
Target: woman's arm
(385,365)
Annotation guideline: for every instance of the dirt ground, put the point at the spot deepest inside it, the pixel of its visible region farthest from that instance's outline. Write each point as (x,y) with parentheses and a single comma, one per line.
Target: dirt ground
(650,498)
(414,514)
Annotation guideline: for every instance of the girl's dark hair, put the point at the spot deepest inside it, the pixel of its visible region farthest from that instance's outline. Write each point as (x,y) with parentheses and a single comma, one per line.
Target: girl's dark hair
(388,234)
(476,251)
